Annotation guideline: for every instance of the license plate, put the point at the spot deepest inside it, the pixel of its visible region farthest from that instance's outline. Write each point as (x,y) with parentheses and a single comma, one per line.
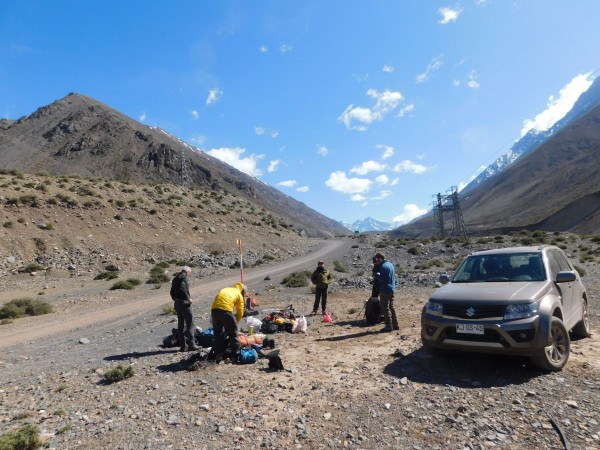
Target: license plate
(469,328)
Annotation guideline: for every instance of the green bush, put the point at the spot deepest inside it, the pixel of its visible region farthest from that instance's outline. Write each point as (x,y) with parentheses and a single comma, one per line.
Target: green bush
(338,267)
(580,270)
(33,267)
(158,275)
(22,307)
(119,373)
(27,437)
(108,275)
(8,224)
(297,279)
(124,284)
(169,309)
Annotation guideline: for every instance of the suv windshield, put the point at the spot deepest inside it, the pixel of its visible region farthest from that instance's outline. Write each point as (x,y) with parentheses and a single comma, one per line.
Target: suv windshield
(501,267)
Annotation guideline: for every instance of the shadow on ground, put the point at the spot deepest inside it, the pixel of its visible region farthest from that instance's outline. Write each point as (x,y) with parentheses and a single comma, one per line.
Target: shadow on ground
(464,370)
(136,355)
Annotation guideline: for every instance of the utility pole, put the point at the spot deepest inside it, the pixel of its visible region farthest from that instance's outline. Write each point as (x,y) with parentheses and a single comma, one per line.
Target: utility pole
(449,203)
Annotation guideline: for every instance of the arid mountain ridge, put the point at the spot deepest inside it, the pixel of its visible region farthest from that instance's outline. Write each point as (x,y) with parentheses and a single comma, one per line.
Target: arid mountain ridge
(555,187)
(79,136)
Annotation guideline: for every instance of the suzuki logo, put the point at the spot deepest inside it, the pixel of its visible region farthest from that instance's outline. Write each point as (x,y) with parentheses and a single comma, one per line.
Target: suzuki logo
(471,312)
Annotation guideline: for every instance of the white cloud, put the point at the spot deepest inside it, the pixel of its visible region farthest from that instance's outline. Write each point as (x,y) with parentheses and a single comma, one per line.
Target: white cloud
(435,64)
(288,183)
(213,96)
(448,15)
(233,157)
(358,198)
(274,133)
(455,82)
(558,107)
(388,69)
(409,166)
(388,151)
(409,213)
(406,110)
(338,181)
(285,48)
(195,114)
(385,102)
(142,117)
(481,2)
(473,83)
(394,182)
(273,165)
(259,131)
(368,166)
(383,194)
(303,189)
(263,49)
(382,179)
(322,150)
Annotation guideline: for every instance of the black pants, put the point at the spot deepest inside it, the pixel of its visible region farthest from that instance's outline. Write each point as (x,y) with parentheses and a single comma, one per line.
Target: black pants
(185,322)
(320,295)
(226,332)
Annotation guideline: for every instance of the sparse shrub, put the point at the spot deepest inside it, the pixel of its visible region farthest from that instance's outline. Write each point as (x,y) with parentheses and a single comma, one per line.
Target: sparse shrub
(30,200)
(12,201)
(297,279)
(21,220)
(22,307)
(192,214)
(8,224)
(108,275)
(123,284)
(119,373)
(414,251)
(6,321)
(338,267)
(527,241)
(33,267)
(158,275)
(64,428)
(169,310)
(120,203)
(153,212)
(27,437)
(118,217)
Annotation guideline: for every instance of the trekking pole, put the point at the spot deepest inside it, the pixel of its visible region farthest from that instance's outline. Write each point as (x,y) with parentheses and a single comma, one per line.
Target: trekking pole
(361,310)
(239,244)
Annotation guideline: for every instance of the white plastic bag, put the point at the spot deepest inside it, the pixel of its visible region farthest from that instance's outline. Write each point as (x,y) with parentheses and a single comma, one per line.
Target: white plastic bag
(300,326)
(254,322)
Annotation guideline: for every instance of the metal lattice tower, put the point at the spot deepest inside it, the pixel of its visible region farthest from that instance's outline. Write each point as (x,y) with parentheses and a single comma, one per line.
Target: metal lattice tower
(184,172)
(449,204)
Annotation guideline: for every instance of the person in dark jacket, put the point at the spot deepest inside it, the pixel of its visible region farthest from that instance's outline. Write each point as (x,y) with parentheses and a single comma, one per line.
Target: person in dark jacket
(321,278)
(386,280)
(180,293)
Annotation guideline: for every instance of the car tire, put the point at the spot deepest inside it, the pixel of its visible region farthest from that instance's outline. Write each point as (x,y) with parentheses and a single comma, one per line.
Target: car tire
(582,328)
(434,351)
(555,354)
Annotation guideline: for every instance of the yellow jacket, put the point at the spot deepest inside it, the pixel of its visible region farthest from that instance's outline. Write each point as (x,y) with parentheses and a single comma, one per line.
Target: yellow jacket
(229,298)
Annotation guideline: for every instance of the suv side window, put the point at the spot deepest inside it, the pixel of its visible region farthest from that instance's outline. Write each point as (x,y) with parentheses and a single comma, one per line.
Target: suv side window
(554,266)
(563,263)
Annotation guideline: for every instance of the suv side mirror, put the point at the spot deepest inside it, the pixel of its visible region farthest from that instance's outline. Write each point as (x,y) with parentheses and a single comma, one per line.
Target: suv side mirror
(566,276)
(444,279)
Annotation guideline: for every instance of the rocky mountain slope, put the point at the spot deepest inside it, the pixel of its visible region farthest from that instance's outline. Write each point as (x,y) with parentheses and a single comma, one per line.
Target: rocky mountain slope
(80,136)
(554,188)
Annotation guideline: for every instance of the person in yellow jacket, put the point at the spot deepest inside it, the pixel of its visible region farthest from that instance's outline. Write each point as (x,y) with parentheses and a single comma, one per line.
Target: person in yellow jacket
(225,323)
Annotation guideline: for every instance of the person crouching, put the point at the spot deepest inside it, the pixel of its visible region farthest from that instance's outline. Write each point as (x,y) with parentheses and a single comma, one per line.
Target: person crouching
(225,323)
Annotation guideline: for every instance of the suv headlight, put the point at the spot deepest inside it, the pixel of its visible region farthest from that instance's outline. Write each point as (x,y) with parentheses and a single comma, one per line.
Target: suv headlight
(433,308)
(520,311)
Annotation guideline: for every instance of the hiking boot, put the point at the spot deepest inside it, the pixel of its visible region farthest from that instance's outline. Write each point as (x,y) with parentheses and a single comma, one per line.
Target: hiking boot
(193,347)
(218,359)
(314,313)
(386,329)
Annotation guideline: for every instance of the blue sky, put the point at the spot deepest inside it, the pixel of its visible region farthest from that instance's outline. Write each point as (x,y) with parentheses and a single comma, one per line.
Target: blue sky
(356,108)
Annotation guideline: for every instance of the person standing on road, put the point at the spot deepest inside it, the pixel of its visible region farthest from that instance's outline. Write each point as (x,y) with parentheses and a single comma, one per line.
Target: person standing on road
(386,279)
(225,323)
(321,278)
(180,293)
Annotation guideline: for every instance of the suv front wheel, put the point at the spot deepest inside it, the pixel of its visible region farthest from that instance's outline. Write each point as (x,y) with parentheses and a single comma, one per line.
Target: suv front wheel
(582,328)
(555,354)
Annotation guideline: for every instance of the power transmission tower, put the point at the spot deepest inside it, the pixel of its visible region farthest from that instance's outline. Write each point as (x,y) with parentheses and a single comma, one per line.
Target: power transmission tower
(184,172)
(449,204)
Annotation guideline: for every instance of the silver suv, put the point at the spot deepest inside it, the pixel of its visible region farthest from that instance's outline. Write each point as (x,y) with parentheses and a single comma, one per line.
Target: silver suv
(516,301)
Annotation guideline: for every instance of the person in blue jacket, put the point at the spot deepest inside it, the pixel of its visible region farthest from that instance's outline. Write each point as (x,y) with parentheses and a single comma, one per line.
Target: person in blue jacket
(386,280)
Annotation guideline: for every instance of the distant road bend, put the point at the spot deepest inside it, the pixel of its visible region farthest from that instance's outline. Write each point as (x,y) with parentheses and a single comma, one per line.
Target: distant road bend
(202,292)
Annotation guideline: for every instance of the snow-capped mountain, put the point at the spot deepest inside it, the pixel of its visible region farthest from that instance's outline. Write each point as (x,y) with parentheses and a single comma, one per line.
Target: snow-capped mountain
(534,138)
(369,224)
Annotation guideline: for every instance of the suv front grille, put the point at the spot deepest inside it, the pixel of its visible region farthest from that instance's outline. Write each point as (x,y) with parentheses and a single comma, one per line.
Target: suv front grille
(474,312)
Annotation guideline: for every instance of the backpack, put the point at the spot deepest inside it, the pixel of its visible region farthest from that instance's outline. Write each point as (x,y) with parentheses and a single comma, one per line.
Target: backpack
(373,311)
(275,361)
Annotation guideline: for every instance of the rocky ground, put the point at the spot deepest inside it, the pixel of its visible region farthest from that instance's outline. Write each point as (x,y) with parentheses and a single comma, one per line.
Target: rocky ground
(344,385)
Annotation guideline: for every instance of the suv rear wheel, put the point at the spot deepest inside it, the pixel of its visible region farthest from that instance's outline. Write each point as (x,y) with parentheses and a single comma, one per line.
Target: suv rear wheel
(555,354)
(582,328)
